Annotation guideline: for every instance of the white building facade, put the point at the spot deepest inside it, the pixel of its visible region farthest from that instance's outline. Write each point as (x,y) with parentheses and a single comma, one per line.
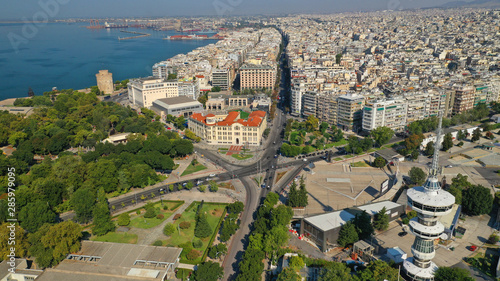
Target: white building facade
(143,91)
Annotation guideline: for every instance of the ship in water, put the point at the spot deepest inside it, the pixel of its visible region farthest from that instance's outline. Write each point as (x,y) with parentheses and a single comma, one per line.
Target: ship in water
(114,25)
(193,37)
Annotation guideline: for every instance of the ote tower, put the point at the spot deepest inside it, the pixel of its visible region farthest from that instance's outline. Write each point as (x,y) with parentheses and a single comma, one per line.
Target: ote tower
(430,202)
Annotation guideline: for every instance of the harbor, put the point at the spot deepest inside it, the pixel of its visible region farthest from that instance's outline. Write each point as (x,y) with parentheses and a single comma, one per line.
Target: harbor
(139,35)
(194,37)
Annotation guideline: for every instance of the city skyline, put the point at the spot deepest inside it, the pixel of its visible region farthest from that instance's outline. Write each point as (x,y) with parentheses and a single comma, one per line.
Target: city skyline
(26,11)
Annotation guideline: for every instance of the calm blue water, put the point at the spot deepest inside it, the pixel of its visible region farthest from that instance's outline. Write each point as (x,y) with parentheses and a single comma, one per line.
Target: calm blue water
(69,55)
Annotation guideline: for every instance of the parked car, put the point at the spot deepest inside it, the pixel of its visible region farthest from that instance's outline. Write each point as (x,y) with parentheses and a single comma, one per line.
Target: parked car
(305,159)
(472,248)
(402,233)
(211,175)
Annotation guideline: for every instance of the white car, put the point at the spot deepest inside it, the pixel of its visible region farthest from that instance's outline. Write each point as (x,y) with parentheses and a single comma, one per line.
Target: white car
(305,160)
(211,175)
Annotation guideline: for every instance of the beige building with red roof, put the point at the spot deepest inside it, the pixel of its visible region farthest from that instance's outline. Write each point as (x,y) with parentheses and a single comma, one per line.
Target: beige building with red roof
(230,128)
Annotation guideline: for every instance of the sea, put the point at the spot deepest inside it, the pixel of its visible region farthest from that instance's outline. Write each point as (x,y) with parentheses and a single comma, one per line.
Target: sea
(68,56)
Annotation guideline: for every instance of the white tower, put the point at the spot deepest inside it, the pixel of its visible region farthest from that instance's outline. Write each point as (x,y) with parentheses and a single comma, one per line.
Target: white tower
(430,202)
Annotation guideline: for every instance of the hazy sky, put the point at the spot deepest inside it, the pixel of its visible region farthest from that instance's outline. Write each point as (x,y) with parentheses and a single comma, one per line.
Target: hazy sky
(12,9)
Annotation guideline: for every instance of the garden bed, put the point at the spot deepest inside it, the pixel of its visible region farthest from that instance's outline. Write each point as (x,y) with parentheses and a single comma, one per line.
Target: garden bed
(242,157)
(214,213)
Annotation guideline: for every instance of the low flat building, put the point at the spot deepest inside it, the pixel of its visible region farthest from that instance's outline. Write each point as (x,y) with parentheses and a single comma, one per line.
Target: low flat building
(104,261)
(389,154)
(324,229)
(394,210)
(230,128)
(177,106)
(20,269)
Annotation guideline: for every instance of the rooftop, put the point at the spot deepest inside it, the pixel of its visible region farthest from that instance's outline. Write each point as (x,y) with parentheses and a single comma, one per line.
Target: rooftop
(374,208)
(254,119)
(175,100)
(98,261)
(331,220)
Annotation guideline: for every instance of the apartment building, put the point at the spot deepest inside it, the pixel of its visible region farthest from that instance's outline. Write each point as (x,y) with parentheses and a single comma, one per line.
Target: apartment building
(388,113)
(222,78)
(309,104)
(350,112)
(326,108)
(257,76)
(189,89)
(464,99)
(230,128)
(143,91)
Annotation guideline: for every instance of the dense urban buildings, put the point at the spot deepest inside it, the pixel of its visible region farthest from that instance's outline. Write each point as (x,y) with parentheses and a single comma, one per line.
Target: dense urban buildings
(421,62)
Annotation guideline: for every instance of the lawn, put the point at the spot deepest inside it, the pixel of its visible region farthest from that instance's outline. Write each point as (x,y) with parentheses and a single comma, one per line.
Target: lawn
(117,237)
(242,157)
(485,262)
(193,169)
(244,114)
(280,175)
(337,159)
(139,221)
(360,164)
(213,212)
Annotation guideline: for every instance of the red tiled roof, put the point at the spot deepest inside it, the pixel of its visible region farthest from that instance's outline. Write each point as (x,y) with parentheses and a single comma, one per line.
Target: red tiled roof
(254,119)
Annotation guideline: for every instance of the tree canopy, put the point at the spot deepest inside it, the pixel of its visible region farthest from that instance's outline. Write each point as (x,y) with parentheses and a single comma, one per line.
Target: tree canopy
(417,175)
(452,273)
(381,220)
(51,243)
(347,235)
(477,200)
(288,274)
(208,271)
(382,135)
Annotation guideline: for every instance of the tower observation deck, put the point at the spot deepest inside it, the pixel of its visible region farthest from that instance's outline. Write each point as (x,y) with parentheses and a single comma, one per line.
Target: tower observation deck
(430,202)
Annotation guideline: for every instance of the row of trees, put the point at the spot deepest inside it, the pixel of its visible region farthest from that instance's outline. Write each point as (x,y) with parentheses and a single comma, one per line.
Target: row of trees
(479,112)
(269,234)
(297,198)
(231,222)
(336,271)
